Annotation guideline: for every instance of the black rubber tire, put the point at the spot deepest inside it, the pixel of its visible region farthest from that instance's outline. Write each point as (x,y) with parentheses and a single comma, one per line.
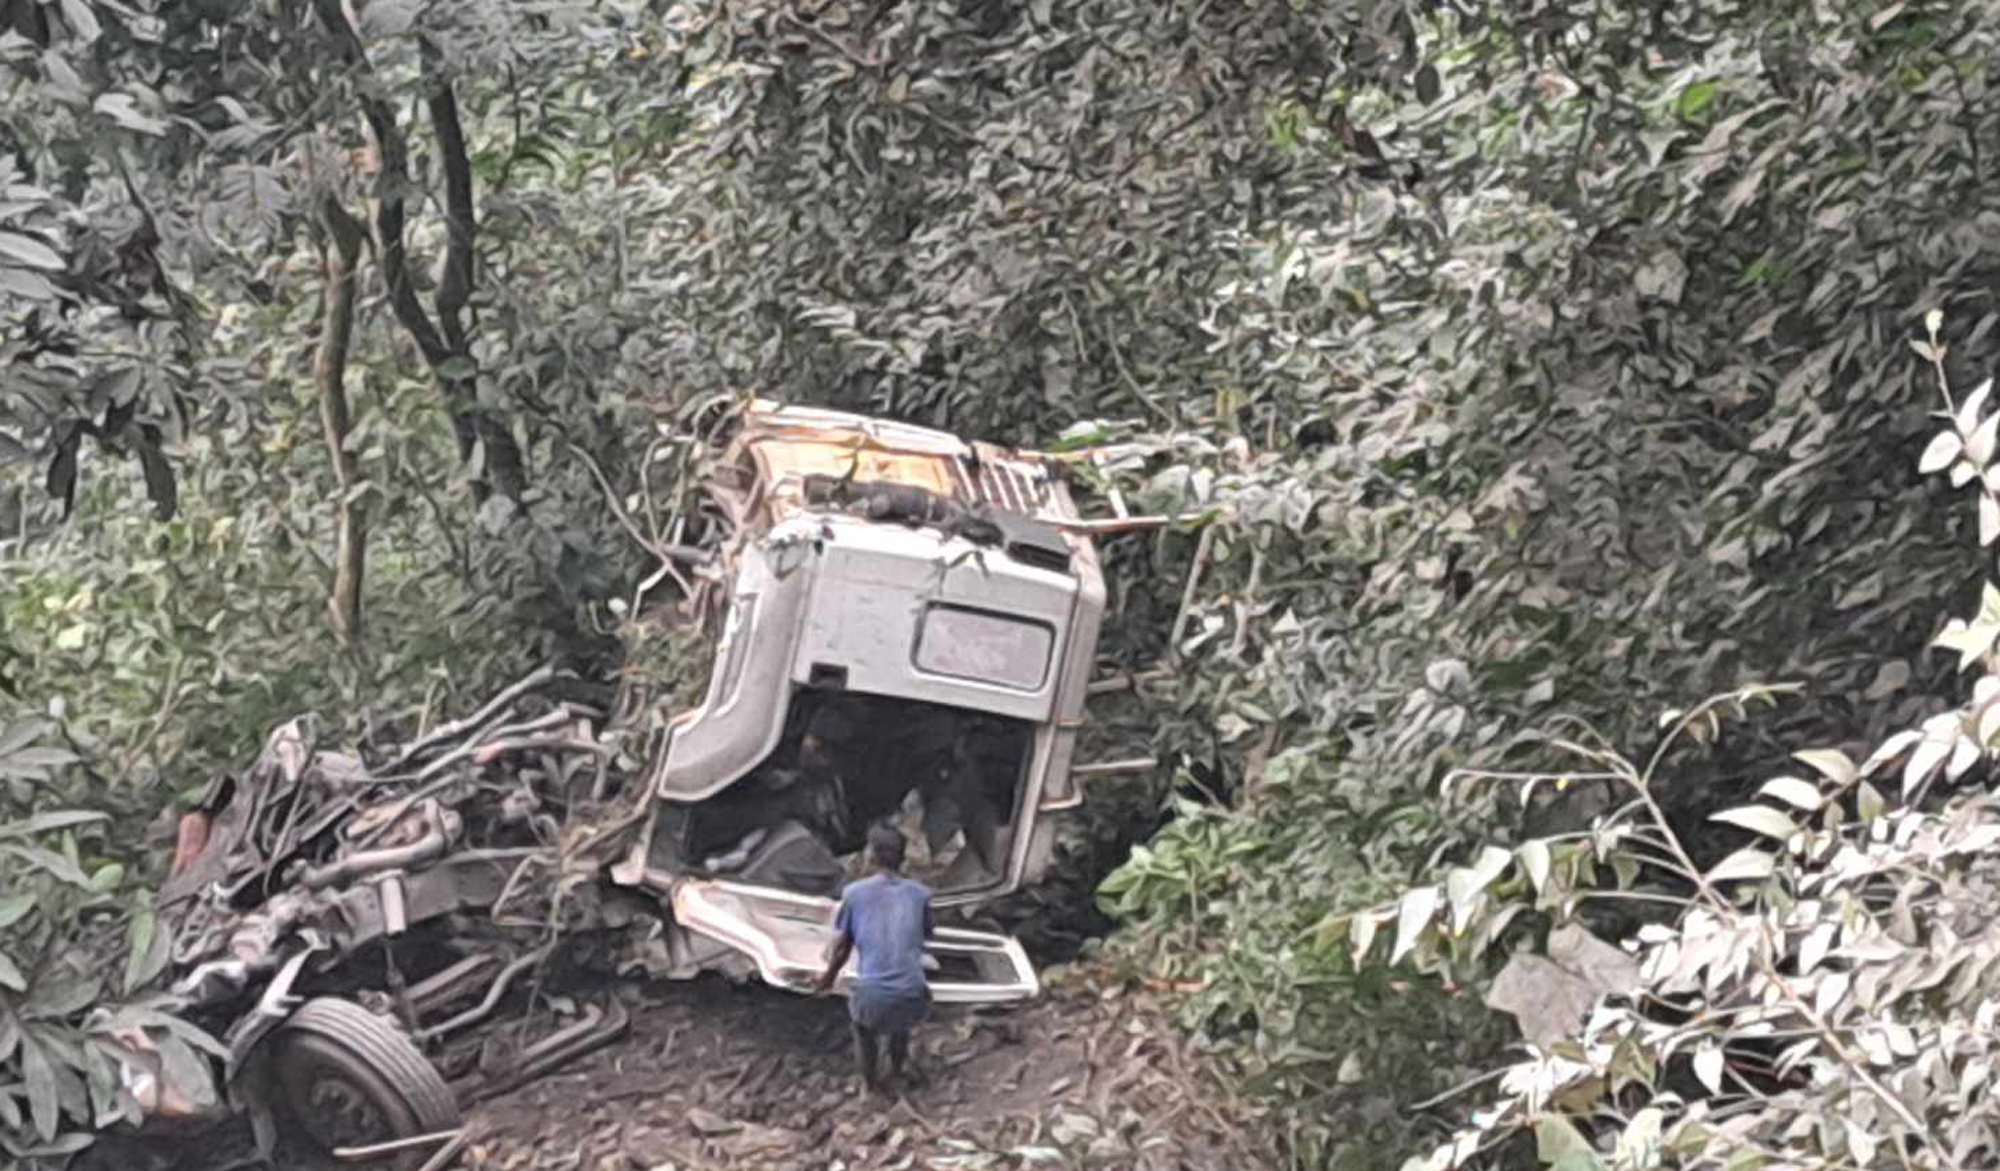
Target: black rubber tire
(334,1048)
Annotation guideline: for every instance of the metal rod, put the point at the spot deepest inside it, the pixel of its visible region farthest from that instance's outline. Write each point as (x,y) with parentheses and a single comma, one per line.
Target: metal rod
(1137,764)
(439,990)
(492,998)
(397,1144)
(353,866)
(1127,524)
(446,1154)
(1123,682)
(389,889)
(458,727)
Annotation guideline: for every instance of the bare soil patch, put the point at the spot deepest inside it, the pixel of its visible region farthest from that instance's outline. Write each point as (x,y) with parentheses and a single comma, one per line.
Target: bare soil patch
(713,1075)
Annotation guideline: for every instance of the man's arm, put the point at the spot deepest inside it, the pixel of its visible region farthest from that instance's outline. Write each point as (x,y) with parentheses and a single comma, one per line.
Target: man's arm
(835,960)
(843,944)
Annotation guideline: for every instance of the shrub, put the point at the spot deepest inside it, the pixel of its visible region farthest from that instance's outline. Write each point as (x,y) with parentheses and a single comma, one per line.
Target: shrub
(1823,995)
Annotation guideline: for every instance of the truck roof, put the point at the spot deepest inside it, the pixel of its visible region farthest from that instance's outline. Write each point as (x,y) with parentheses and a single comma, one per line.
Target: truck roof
(792,442)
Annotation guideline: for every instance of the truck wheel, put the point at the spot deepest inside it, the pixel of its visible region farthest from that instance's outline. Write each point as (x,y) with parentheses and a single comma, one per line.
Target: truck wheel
(348,1078)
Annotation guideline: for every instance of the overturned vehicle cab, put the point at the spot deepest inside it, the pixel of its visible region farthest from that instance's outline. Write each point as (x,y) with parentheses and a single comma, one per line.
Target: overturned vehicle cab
(905,627)
(900,627)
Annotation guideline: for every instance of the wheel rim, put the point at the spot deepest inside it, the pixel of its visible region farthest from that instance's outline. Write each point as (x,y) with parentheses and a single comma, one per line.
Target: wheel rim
(339,1113)
(336,1104)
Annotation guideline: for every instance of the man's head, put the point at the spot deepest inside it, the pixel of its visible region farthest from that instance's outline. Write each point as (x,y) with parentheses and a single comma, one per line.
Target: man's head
(885,848)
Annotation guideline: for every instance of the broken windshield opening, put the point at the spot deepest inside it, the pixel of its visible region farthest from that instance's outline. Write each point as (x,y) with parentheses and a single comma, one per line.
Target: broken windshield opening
(948,777)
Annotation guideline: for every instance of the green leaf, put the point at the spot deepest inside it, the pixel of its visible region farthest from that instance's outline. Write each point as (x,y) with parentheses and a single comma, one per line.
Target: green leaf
(1832,764)
(1708,1067)
(13,736)
(1868,802)
(1794,792)
(1967,417)
(107,877)
(1695,98)
(41,1085)
(1875,25)
(81,20)
(122,109)
(67,1144)
(145,1014)
(27,251)
(55,864)
(43,823)
(1534,857)
(1944,448)
(1979,445)
(55,998)
(1760,819)
(188,1070)
(1361,932)
(13,908)
(1639,1142)
(1413,914)
(10,974)
(40,759)
(1970,641)
(1463,891)
(146,950)
(1492,862)
(1743,864)
(1557,1141)
(26,286)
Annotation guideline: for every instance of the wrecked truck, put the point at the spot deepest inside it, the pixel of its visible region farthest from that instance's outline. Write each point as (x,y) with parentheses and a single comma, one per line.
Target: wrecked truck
(901,627)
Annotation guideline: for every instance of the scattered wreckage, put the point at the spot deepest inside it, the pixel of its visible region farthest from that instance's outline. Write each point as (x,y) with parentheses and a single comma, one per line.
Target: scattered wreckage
(902,626)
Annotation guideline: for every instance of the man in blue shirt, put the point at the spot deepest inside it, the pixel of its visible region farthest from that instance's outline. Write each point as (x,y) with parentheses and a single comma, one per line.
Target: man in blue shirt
(884,917)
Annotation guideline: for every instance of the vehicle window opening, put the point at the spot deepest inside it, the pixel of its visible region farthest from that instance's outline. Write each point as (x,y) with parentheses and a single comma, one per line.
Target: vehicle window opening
(982,645)
(948,777)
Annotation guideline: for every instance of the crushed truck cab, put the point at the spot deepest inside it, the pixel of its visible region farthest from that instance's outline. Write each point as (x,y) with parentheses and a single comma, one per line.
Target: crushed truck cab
(904,626)
(899,627)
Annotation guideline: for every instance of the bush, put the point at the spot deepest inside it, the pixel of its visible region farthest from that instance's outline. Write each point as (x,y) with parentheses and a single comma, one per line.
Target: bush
(77,950)
(1823,995)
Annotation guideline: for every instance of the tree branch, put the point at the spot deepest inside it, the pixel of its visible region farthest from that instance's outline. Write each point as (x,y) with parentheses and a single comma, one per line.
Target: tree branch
(344,236)
(460,221)
(443,340)
(503,455)
(392,182)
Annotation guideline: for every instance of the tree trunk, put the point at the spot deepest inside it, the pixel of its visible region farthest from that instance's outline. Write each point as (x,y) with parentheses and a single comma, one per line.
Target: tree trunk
(342,252)
(503,462)
(445,347)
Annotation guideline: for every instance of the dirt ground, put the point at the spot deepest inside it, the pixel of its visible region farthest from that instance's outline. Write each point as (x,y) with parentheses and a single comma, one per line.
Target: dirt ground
(714,1075)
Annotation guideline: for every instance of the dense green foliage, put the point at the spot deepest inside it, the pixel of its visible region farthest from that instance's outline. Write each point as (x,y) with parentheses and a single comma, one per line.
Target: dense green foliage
(1822,996)
(159,644)
(1620,435)
(1511,363)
